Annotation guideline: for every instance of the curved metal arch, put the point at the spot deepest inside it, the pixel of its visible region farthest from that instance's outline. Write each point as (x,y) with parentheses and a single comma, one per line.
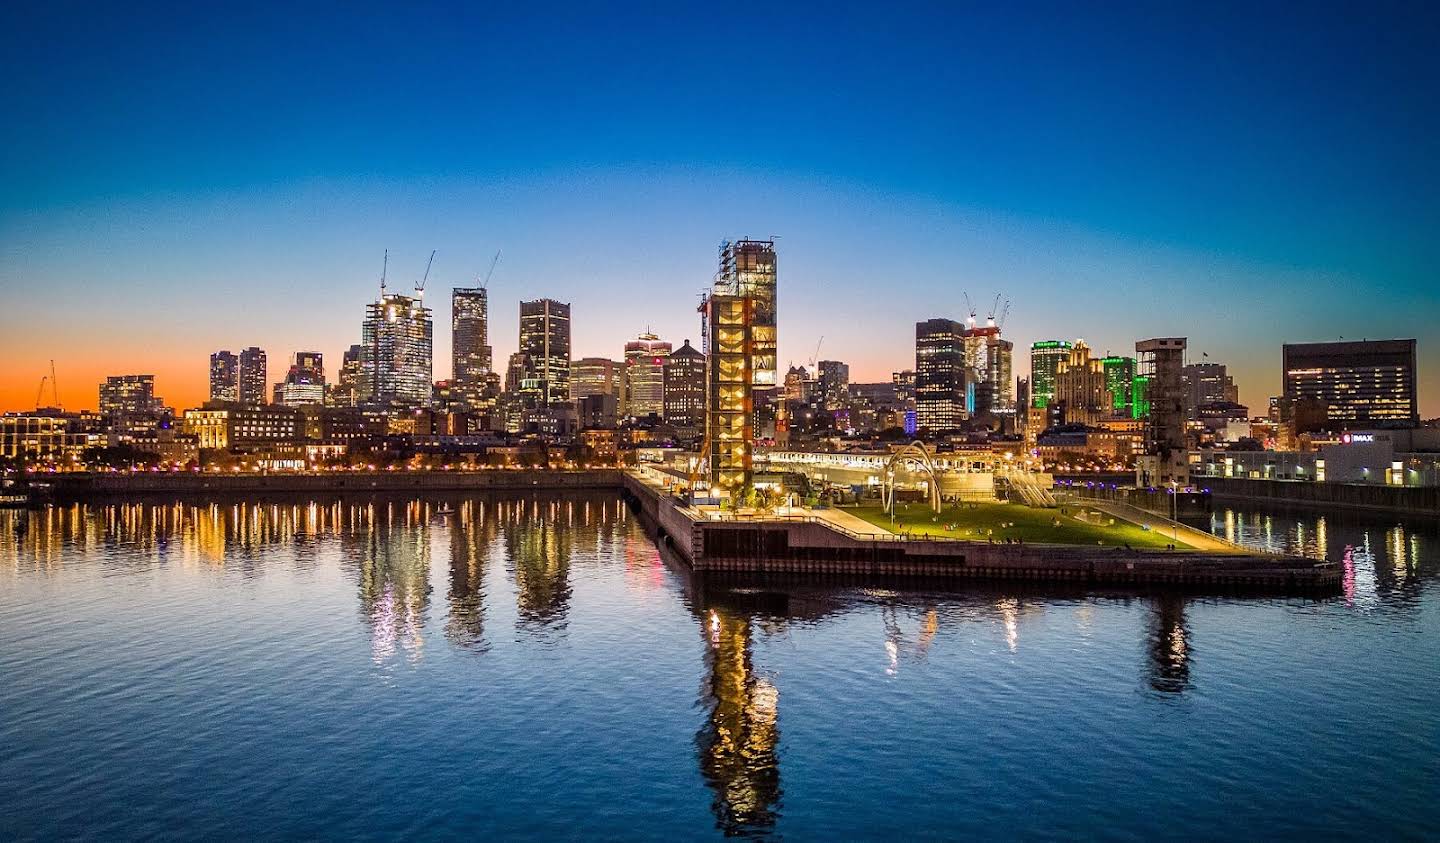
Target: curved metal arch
(913,453)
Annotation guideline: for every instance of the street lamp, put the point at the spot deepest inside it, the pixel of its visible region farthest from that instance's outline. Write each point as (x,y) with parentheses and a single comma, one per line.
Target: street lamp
(1174,510)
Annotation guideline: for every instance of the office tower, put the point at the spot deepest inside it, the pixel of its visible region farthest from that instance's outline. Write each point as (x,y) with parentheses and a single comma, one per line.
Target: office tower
(1165,461)
(798,385)
(1081,390)
(253,377)
(515,370)
(904,387)
(224,376)
(1120,380)
(940,376)
(1022,394)
(1045,358)
(1207,383)
(345,392)
(304,383)
(470,337)
(545,342)
(1364,384)
(593,376)
(1000,374)
(685,389)
(645,375)
(396,352)
(833,384)
(126,395)
(748,270)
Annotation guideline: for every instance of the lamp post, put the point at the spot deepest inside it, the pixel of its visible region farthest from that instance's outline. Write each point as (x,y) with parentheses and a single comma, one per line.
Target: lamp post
(1174,510)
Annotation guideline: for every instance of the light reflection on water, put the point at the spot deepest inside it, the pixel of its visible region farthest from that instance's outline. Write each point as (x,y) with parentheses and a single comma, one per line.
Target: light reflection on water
(532,665)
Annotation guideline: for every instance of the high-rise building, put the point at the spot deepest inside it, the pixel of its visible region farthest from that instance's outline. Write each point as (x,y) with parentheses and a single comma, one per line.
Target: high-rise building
(470,354)
(253,377)
(1207,383)
(345,392)
(304,383)
(645,375)
(1165,460)
(833,384)
(904,387)
(798,384)
(1045,357)
(999,375)
(129,395)
(545,342)
(1369,383)
(397,346)
(1120,380)
(729,412)
(593,376)
(941,382)
(685,389)
(224,376)
(1081,389)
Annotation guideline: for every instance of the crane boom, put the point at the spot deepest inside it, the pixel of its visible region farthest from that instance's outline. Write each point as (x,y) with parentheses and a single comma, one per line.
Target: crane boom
(55,386)
(486,283)
(420,288)
(40,393)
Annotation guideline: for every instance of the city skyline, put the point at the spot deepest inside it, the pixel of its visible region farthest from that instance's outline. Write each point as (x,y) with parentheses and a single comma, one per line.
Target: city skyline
(1275,199)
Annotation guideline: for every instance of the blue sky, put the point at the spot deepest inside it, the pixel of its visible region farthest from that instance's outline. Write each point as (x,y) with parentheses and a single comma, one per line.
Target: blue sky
(178,180)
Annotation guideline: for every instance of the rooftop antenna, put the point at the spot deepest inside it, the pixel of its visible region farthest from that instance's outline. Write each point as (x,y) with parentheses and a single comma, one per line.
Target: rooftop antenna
(486,283)
(384,270)
(420,288)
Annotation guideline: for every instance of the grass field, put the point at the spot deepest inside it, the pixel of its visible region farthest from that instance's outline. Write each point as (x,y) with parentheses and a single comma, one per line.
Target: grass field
(1011,520)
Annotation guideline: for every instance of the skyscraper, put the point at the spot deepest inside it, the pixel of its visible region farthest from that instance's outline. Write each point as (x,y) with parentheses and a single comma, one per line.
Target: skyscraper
(685,389)
(833,384)
(1207,383)
(1045,358)
(346,391)
(940,375)
(470,354)
(999,375)
(1081,387)
(1120,380)
(224,376)
(1165,460)
(252,377)
(1366,383)
(127,395)
(545,342)
(304,383)
(396,367)
(645,375)
(595,376)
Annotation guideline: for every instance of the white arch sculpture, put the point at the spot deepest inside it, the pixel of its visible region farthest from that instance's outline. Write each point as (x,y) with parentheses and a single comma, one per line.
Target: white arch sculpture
(916,454)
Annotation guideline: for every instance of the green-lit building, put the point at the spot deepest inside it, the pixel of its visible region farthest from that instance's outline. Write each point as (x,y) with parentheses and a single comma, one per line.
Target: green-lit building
(1045,357)
(1119,379)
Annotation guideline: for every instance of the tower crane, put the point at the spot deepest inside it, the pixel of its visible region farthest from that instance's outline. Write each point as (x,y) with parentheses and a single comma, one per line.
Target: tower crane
(970,307)
(1003,313)
(420,288)
(486,283)
(990,319)
(815,358)
(40,393)
(384,271)
(55,386)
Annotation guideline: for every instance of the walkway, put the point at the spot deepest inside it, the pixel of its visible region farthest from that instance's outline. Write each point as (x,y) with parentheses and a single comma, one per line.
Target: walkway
(1160,525)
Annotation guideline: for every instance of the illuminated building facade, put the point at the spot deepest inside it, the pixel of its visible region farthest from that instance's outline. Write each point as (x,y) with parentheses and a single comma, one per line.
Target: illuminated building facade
(470,354)
(396,346)
(1161,361)
(345,392)
(1081,388)
(239,426)
(304,383)
(42,438)
(1364,384)
(685,389)
(1120,380)
(1045,357)
(129,395)
(941,382)
(224,376)
(545,344)
(645,375)
(253,376)
(1207,383)
(748,269)
(833,384)
(729,420)
(999,376)
(595,376)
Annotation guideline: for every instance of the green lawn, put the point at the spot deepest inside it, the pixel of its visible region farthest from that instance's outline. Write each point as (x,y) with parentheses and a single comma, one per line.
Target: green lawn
(1011,520)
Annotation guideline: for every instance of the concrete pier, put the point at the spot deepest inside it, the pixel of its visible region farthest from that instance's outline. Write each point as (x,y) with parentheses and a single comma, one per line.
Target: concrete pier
(815,546)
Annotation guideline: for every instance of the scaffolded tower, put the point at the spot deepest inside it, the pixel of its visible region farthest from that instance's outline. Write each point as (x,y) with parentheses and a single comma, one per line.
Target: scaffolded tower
(738,329)
(1165,461)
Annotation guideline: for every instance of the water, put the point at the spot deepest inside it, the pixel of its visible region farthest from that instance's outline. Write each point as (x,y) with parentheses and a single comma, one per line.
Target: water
(532,667)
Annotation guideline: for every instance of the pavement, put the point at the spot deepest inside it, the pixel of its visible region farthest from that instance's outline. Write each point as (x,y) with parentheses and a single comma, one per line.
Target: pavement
(1160,526)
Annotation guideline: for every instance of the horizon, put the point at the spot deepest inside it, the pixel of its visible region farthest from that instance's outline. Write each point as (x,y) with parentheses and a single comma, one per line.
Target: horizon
(180,188)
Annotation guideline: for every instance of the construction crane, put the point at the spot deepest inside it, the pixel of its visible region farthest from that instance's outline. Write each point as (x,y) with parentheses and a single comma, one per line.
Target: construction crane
(815,358)
(995,306)
(971,308)
(40,393)
(420,288)
(55,386)
(384,271)
(1003,313)
(486,283)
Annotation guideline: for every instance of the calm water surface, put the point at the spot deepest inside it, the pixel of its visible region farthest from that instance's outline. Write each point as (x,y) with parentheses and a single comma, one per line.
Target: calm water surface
(532,666)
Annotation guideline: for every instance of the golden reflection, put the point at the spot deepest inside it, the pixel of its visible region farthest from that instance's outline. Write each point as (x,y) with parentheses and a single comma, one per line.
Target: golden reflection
(738,743)
(1169,644)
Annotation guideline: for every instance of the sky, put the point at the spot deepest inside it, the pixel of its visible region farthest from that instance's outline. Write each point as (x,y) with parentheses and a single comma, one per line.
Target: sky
(179,180)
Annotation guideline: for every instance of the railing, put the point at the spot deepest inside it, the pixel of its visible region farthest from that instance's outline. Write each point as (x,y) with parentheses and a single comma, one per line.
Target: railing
(1171,524)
